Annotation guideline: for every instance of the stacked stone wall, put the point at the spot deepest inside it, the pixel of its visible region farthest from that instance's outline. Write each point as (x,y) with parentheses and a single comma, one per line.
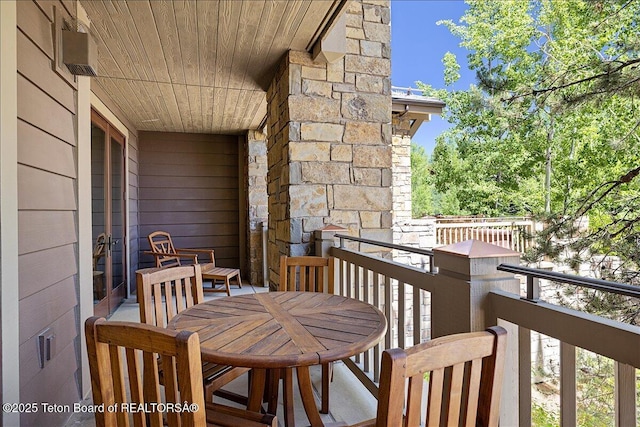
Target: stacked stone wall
(401,176)
(256,167)
(329,145)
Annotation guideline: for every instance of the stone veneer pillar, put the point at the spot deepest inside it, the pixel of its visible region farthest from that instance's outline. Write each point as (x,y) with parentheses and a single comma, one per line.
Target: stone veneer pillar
(329,145)
(256,167)
(407,231)
(401,177)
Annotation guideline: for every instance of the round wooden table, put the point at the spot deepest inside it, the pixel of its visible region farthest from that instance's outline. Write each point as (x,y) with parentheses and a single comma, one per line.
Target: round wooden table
(283,330)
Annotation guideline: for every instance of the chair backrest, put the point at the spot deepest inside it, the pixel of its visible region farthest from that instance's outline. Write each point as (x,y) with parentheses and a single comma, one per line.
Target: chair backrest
(160,242)
(180,287)
(306,273)
(465,381)
(123,362)
(99,249)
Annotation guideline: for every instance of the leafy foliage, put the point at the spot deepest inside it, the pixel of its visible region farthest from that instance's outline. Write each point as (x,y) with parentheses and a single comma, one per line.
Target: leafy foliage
(552,127)
(421,194)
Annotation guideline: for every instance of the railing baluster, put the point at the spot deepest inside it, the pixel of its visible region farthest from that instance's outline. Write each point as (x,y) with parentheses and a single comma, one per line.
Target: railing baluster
(376,350)
(402,312)
(357,296)
(365,298)
(343,278)
(524,376)
(387,312)
(625,397)
(417,318)
(568,415)
(366,285)
(349,281)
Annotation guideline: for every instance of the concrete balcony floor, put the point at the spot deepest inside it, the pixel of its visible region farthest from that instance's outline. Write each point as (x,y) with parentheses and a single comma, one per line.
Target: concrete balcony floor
(350,401)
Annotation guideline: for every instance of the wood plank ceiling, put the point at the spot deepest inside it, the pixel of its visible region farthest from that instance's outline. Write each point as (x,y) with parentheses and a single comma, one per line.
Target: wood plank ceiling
(203,67)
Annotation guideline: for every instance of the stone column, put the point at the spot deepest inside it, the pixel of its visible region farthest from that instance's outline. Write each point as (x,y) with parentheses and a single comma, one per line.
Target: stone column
(467,270)
(329,146)
(401,178)
(256,167)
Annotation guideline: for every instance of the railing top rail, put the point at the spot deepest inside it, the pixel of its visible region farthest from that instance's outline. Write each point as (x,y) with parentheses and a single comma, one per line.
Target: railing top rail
(587,282)
(384,245)
(478,224)
(454,219)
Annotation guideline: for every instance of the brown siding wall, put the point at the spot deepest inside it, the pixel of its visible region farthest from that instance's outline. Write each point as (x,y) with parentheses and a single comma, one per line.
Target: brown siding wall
(188,186)
(47,212)
(134,247)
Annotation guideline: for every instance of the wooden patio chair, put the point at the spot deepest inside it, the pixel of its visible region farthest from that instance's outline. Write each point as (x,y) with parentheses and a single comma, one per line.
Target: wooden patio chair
(307,274)
(465,381)
(123,362)
(167,255)
(165,292)
(99,251)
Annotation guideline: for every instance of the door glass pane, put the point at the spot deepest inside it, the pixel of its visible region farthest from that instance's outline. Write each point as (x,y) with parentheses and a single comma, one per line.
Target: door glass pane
(98,213)
(117,209)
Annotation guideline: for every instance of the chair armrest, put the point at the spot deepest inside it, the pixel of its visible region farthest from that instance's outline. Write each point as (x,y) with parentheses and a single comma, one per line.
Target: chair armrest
(208,252)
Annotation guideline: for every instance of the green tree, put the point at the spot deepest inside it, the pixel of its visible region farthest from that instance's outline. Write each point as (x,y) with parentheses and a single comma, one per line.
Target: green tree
(421,191)
(552,126)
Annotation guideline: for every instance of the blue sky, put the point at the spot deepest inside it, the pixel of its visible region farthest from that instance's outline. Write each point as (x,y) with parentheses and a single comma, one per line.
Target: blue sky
(417,48)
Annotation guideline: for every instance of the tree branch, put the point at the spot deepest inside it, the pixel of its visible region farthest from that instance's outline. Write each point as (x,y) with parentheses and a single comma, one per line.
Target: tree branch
(628,177)
(536,92)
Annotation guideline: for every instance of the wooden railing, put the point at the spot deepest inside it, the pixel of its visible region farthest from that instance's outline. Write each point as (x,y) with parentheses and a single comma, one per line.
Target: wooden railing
(396,289)
(381,282)
(611,339)
(512,233)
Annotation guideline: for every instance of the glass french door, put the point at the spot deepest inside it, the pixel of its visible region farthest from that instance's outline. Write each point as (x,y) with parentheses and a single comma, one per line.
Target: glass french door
(108,219)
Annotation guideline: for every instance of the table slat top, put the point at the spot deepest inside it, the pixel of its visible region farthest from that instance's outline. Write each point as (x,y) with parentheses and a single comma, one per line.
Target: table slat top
(282,329)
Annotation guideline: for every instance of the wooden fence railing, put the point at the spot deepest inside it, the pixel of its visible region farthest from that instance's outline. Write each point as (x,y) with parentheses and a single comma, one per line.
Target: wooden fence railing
(514,234)
(460,290)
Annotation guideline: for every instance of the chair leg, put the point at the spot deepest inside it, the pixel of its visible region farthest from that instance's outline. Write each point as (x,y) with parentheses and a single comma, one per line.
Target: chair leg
(239,280)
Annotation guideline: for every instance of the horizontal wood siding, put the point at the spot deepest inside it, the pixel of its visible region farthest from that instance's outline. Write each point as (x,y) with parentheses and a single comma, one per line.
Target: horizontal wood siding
(47,215)
(29,364)
(134,247)
(188,186)
(41,230)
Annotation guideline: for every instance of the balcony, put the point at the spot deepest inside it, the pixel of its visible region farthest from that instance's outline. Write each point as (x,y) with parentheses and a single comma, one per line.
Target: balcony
(468,286)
